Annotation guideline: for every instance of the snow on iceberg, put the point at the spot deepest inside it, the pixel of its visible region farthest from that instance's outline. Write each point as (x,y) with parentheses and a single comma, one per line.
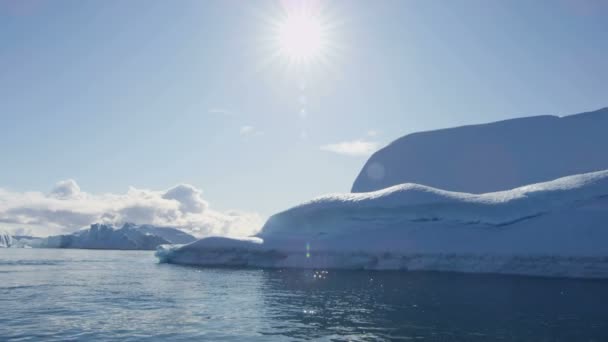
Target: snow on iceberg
(494,156)
(556,228)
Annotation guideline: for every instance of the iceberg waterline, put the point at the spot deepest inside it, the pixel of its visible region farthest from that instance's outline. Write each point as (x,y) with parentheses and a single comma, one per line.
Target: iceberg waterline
(555,228)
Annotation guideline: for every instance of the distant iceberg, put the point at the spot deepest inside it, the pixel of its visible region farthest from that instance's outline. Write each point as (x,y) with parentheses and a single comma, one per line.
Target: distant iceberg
(128,237)
(18,241)
(555,228)
(5,239)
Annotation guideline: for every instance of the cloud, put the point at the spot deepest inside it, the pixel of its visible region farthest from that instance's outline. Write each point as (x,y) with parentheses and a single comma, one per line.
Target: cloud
(220,111)
(372,133)
(246,130)
(66,189)
(250,131)
(189,198)
(66,209)
(353,148)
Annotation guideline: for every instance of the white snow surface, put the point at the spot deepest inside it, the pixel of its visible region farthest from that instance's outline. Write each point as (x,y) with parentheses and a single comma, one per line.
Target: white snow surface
(556,228)
(492,157)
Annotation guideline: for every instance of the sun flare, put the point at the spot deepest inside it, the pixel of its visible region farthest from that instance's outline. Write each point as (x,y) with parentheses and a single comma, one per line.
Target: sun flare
(301,37)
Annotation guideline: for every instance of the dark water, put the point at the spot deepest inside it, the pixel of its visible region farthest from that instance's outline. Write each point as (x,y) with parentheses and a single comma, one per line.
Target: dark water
(111,295)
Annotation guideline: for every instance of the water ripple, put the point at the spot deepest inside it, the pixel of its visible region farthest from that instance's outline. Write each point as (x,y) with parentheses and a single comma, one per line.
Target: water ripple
(127,296)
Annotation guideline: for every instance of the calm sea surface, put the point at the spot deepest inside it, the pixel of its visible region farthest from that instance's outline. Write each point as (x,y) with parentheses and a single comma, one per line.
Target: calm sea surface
(115,295)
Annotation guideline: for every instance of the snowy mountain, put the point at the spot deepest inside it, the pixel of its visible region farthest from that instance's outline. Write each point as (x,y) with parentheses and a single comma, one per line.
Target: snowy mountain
(129,236)
(492,157)
(5,239)
(556,228)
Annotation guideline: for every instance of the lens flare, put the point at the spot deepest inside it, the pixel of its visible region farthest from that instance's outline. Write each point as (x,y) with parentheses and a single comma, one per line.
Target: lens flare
(301,35)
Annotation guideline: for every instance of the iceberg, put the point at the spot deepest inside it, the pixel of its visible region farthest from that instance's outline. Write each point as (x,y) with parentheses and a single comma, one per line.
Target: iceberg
(5,239)
(26,241)
(492,157)
(128,237)
(170,234)
(18,241)
(554,228)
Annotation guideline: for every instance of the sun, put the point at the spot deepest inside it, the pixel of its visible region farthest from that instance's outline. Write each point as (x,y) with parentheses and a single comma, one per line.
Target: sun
(301,37)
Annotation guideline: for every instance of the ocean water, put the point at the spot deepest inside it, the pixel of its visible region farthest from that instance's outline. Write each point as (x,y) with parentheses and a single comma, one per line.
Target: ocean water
(67,295)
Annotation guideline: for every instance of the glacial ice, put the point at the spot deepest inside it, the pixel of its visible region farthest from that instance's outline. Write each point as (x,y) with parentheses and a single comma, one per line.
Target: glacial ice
(492,157)
(555,228)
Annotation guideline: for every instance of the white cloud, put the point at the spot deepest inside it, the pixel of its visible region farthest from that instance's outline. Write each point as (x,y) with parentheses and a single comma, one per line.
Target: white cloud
(372,133)
(250,131)
(246,130)
(66,208)
(66,189)
(352,148)
(220,111)
(189,198)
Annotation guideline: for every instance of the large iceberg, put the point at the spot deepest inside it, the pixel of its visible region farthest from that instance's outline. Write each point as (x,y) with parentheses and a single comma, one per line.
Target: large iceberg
(555,228)
(129,236)
(492,157)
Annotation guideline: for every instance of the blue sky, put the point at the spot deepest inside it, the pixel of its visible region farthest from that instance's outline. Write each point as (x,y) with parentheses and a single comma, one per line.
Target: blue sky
(152,93)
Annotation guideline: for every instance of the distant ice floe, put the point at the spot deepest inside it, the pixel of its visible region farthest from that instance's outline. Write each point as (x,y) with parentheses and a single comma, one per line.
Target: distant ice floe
(555,228)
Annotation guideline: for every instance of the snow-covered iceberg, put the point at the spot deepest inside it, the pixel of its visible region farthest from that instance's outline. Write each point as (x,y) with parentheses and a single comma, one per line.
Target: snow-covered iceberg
(492,157)
(129,236)
(170,234)
(18,241)
(556,228)
(5,239)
